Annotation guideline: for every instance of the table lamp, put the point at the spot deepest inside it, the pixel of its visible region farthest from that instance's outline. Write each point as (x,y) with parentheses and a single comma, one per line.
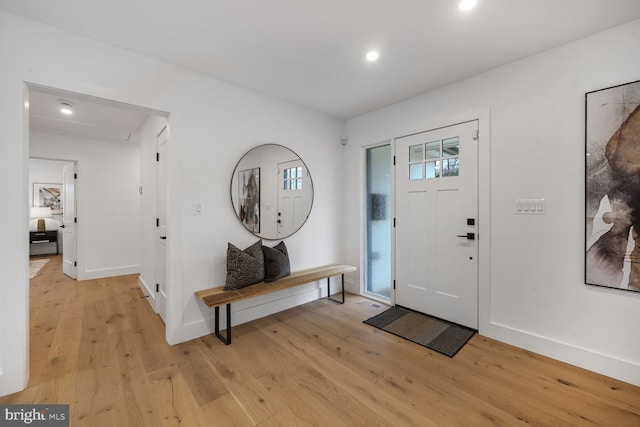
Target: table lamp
(41,213)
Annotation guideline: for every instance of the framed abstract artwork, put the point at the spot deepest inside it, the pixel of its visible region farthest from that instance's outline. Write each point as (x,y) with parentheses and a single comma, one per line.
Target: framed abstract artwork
(48,196)
(612,187)
(249,199)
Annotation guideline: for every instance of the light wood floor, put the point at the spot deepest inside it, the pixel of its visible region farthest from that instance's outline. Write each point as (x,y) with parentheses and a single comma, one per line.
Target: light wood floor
(98,346)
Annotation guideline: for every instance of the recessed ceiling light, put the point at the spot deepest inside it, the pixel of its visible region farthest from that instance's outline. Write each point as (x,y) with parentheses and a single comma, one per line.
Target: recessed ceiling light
(65,108)
(373,55)
(466,5)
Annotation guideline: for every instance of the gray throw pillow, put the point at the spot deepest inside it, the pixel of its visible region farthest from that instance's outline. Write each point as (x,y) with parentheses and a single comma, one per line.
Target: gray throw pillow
(244,268)
(276,262)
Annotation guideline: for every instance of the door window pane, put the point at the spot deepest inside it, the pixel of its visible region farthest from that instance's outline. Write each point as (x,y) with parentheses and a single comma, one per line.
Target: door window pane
(451,147)
(415,153)
(451,167)
(432,150)
(415,171)
(441,159)
(432,169)
(292,178)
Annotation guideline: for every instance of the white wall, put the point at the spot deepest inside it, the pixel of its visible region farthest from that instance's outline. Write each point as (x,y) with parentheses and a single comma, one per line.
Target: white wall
(212,125)
(108,200)
(533,295)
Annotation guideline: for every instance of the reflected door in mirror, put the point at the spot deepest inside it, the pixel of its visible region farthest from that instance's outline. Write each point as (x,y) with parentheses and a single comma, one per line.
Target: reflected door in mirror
(293,197)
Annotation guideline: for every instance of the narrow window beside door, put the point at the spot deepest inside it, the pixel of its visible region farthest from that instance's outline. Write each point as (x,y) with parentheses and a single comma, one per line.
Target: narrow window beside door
(379,222)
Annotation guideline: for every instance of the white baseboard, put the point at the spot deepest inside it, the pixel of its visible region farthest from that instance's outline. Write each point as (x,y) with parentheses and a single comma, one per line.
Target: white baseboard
(148,292)
(101,273)
(605,364)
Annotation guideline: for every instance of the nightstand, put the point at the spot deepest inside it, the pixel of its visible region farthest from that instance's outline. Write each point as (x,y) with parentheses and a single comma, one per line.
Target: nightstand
(43,237)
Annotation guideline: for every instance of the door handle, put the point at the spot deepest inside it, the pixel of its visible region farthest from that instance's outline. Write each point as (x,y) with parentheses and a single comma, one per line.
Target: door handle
(163,237)
(61,225)
(469,236)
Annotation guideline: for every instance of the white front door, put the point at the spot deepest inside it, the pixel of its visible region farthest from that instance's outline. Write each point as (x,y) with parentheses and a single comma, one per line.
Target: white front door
(437,223)
(161,229)
(69,266)
(293,197)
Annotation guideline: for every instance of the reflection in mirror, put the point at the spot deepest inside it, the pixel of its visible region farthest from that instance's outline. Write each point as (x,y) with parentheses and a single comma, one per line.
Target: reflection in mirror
(271,191)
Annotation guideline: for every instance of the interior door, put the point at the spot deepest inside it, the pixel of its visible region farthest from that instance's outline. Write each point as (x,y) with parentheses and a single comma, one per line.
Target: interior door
(69,266)
(436,223)
(161,229)
(293,196)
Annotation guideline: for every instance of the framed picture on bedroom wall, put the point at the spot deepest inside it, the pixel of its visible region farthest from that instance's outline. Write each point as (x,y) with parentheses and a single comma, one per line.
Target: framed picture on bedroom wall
(48,196)
(612,187)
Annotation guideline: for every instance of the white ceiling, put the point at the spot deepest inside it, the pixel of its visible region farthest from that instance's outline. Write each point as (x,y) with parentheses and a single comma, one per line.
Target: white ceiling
(311,53)
(91,116)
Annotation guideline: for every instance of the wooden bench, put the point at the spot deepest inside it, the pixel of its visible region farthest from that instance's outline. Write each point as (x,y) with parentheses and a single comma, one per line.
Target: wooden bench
(215,297)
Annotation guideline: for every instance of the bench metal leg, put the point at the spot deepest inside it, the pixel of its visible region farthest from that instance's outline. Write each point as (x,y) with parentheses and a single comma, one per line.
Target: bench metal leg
(227,340)
(329,290)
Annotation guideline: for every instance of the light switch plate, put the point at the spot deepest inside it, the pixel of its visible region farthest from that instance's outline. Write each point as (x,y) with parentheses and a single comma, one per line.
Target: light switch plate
(530,207)
(198,208)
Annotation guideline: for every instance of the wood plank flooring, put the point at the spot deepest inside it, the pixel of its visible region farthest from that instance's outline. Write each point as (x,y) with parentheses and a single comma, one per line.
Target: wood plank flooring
(98,346)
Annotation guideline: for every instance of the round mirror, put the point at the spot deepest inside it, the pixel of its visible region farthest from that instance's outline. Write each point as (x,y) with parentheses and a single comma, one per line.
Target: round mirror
(271,191)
